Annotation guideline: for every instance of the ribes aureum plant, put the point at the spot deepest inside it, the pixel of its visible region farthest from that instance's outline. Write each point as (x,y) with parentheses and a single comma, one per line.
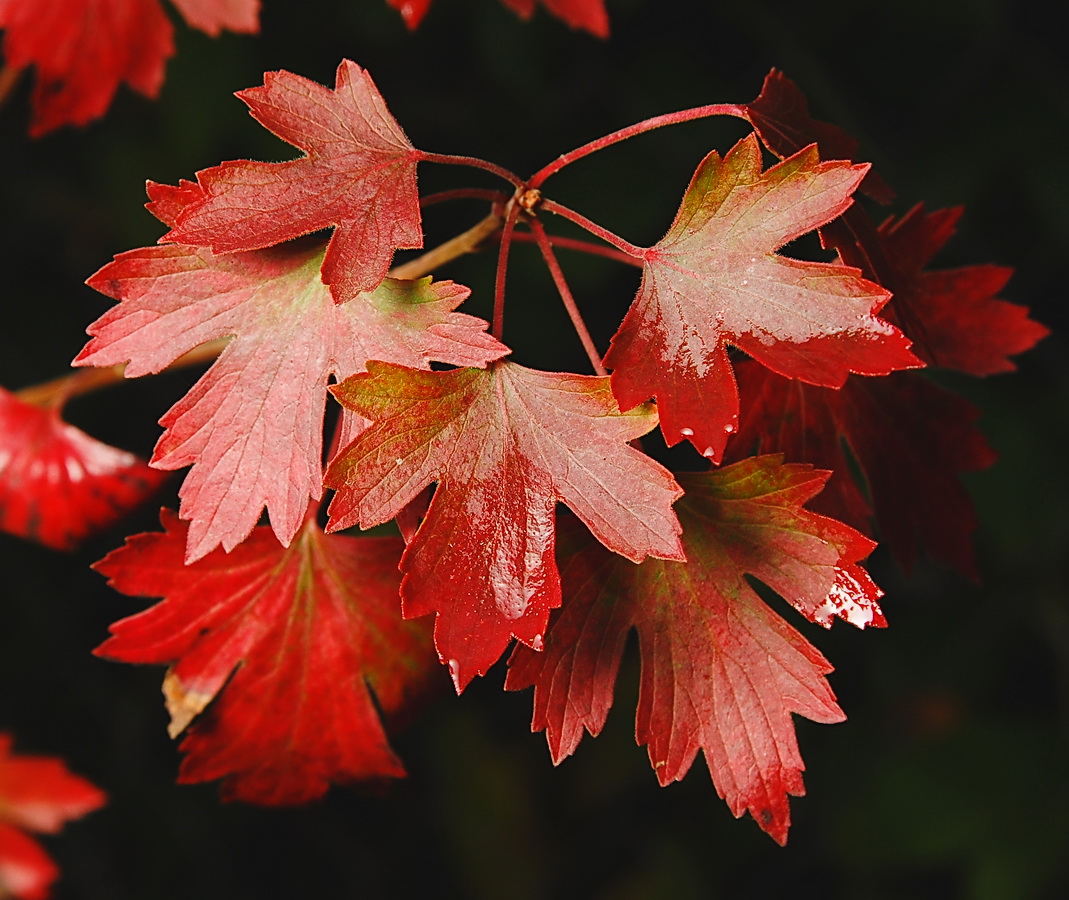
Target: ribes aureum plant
(527,507)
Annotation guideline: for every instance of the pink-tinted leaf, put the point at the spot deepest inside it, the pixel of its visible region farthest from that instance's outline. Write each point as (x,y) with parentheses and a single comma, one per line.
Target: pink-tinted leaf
(258,412)
(780,114)
(37,793)
(716,279)
(212,16)
(57,484)
(286,644)
(721,672)
(505,445)
(358,174)
(909,438)
(84,49)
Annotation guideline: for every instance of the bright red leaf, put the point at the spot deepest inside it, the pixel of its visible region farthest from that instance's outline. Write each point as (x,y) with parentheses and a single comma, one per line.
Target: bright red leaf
(84,49)
(286,644)
(57,484)
(780,114)
(716,279)
(358,173)
(953,316)
(505,445)
(721,672)
(909,438)
(586,14)
(37,793)
(252,427)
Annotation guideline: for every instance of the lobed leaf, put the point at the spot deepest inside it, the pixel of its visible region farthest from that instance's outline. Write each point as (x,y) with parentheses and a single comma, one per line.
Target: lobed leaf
(721,672)
(288,646)
(505,445)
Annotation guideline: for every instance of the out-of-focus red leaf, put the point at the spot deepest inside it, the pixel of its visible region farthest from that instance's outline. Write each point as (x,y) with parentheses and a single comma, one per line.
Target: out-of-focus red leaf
(84,49)
(37,793)
(721,672)
(953,316)
(286,644)
(505,444)
(716,279)
(358,174)
(57,484)
(780,114)
(908,438)
(589,15)
(258,412)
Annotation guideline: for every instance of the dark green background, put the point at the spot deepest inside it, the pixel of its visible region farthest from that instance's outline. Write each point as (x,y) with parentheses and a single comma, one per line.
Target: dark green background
(950,778)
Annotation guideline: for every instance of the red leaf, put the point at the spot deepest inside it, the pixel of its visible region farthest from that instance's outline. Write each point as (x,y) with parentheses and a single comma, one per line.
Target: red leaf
(57,484)
(84,49)
(505,445)
(952,315)
(212,16)
(37,793)
(780,114)
(258,411)
(715,279)
(286,644)
(587,14)
(358,173)
(909,438)
(720,671)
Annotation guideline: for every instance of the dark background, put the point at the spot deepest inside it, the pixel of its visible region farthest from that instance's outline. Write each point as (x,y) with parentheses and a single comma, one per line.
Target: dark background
(949,779)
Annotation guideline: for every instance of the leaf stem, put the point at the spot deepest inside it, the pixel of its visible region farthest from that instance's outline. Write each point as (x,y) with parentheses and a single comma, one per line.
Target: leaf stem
(473,162)
(566,295)
(498,327)
(685,115)
(581,246)
(625,247)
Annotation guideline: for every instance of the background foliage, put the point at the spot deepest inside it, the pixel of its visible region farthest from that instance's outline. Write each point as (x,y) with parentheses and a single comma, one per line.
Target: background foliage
(950,778)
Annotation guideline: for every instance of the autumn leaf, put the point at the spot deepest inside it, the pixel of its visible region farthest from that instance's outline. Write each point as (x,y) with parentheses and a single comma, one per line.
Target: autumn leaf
(716,279)
(780,115)
(505,445)
(287,645)
(258,412)
(358,174)
(84,49)
(908,439)
(37,793)
(953,316)
(57,484)
(589,15)
(721,672)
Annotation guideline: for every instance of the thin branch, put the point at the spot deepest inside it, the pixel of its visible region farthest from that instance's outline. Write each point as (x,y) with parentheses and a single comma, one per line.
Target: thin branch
(498,327)
(468,242)
(580,246)
(566,295)
(625,247)
(474,163)
(685,115)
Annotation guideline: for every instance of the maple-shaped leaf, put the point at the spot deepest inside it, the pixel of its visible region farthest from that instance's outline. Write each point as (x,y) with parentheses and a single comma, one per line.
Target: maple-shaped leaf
(953,316)
(716,279)
(37,793)
(780,115)
(586,14)
(84,49)
(57,484)
(721,672)
(286,644)
(358,174)
(505,444)
(252,427)
(908,438)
